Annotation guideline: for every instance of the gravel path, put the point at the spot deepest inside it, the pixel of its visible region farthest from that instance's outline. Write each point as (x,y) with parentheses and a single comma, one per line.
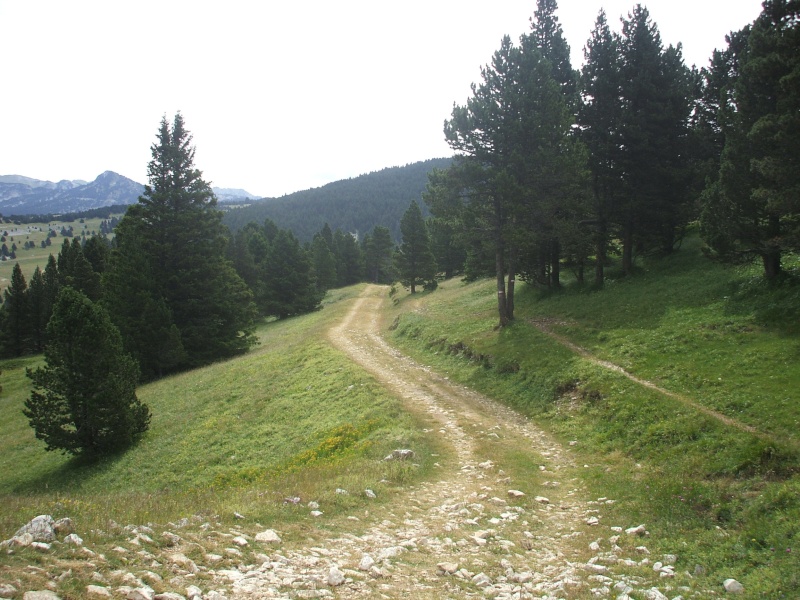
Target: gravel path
(468,531)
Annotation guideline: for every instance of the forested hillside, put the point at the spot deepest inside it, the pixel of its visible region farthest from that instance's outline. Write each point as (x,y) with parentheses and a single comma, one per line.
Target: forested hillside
(354,205)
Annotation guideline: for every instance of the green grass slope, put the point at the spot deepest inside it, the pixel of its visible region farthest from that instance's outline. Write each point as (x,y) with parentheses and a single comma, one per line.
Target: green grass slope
(292,418)
(709,458)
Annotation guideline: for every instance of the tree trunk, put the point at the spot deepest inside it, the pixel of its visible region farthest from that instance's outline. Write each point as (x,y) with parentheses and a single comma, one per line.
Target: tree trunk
(600,254)
(772,264)
(502,307)
(512,267)
(627,248)
(772,254)
(555,261)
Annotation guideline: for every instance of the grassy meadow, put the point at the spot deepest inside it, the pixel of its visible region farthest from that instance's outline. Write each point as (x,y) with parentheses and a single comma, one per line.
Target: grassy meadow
(292,418)
(295,418)
(717,495)
(37,257)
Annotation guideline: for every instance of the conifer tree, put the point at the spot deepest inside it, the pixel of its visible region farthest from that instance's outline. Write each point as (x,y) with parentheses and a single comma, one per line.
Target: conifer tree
(84,399)
(175,236)
(655,90)
(752,208)
(15,315)
(349,258)
(378,249)
(289,285)
(414,260)
(324,262)
(599,118)
(519,167)
(37,311)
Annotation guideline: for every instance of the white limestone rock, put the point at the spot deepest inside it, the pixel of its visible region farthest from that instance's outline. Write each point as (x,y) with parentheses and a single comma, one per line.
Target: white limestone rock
(448,568)
(639,530)
(194,593)
(141,593)
(335,577)
(401,454)
(733,587)
(42,528)
(41,595)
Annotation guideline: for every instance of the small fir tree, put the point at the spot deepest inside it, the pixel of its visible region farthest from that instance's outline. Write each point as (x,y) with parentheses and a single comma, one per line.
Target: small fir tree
(414,261)
(14,318)
(84,399)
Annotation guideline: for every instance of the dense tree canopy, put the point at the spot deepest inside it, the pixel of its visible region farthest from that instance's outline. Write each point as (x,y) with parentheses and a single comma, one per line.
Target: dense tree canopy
(752,206)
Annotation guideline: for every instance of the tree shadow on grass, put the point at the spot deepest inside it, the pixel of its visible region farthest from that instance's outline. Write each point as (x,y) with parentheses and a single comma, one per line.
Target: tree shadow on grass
(69,476)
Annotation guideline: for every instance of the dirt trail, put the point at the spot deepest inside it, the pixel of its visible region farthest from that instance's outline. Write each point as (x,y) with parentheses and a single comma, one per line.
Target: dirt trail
(465,532)
(544,327)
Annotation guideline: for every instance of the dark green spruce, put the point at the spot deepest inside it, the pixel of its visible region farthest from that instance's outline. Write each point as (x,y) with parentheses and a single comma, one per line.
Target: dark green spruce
(169,285)
(84,399)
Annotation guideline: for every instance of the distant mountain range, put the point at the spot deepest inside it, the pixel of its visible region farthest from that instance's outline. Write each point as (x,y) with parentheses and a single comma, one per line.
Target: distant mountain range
(21,195)
(25,196)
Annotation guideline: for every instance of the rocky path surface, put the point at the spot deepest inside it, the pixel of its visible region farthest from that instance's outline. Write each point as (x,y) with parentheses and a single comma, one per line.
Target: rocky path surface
(469,532)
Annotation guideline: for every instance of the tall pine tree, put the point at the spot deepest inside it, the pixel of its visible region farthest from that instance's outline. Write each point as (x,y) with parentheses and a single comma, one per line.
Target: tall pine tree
(752,208)
(599,118)
(174,239)
(655,91)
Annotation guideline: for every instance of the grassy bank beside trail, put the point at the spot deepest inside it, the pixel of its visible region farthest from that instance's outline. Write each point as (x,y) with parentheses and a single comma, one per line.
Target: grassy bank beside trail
(293,418)
(711,493)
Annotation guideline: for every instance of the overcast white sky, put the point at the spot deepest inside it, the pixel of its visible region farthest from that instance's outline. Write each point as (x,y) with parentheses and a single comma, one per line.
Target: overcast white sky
(280,96)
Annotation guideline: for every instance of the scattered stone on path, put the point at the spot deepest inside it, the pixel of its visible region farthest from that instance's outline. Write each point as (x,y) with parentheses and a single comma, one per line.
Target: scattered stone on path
(268,536)
(516,494)
(98,590)
(41,595)
(542,500)
(335,577)
(367,562)
(448,567)
(7,590)
(74,539)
